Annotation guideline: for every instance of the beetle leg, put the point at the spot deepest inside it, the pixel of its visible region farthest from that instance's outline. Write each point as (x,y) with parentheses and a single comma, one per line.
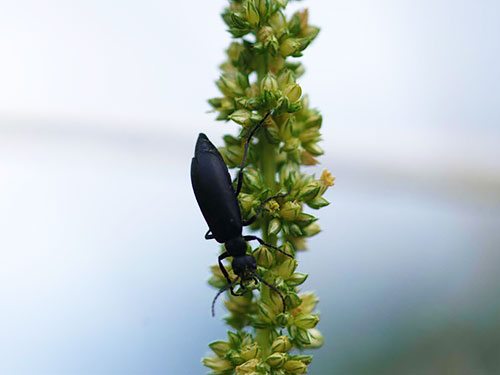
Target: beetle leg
(224,255)
(250,221)
(262,242)
(245,153)
(272,287)
(209,235)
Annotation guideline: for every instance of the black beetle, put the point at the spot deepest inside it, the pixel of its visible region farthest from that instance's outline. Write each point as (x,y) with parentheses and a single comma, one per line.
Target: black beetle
(219,205)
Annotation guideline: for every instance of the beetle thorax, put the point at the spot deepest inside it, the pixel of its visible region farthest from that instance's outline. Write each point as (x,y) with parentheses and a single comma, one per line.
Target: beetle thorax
(236,246)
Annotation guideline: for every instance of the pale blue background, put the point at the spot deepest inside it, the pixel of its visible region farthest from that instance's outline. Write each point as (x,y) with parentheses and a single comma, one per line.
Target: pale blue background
(103,265)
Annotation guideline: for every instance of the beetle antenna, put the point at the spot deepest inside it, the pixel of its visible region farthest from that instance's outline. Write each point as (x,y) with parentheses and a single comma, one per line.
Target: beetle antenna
(249,138)
(245,153)
(271,286)
(264,243)
(221,290)
(278,249)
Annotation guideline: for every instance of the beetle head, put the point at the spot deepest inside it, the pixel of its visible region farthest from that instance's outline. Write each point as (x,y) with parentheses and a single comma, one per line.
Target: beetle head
(244,266)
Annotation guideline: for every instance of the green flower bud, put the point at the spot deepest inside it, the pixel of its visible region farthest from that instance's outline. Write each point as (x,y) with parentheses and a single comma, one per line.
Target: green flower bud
(231,141)
(227,105)
(313,148)
(247,339)
(294,156)
(305,359)
(241,116)
(288,248)
(232,155)
(294,47)
(237,306)
(303,17)
(252,179)
(289,47)
(283,319)
(281,344)
(265,34)
(297,279)
(309,302)
(286,78)
(215,102)
(293,92)
(264,257)
(247,201)
(274,226)
(220,347)
(229,87)
(292,300)
(234,51)
(264,7)
(309,135)
(317,339)
(286,268)
(306,219)
(310,190)
(276,359)
(248,368)
(314,120)
(294,24)
(252,13)
(318,202)
(302,336)
(273,131)
(306,321)
(234,339)
(295,367)
(275,301)
(217,364)
(269,83)
(293,107)
(290,210)
(291,144)
(288,174)
(266,313)
(278,23)
(299,243)
(298,70)
(295,230)
(238,25)
(250,351)
(312,230)
(310,32)
(307,159)
(287,128)
(234,357)
(218,280)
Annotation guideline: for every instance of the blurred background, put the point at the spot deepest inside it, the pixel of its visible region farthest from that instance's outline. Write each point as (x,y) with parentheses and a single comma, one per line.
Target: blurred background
(103,265)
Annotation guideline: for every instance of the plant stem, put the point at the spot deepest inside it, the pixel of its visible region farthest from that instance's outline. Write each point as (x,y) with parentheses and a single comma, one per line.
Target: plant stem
(268,169)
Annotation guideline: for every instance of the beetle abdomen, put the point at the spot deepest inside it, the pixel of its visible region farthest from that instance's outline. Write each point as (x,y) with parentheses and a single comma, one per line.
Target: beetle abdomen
(214,192)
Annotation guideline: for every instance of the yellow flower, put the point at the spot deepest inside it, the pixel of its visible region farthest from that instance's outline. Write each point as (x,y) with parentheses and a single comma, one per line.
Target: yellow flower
(326,178)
